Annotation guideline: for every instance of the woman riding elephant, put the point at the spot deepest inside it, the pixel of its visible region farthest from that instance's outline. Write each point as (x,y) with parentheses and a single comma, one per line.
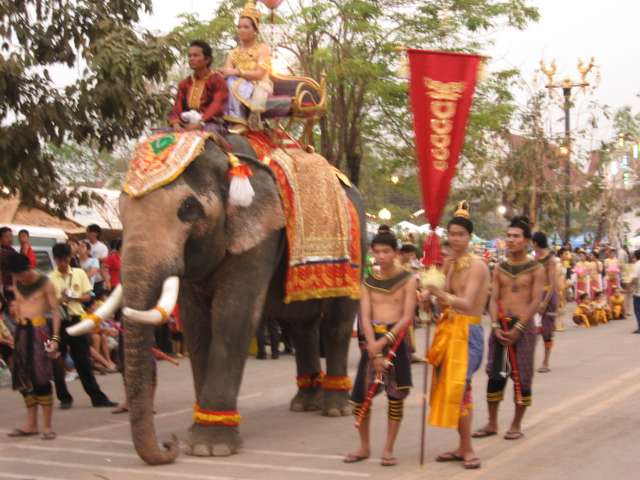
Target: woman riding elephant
(247,72)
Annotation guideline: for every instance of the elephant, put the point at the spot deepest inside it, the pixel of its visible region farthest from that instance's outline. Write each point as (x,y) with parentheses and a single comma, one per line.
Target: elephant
(230,263)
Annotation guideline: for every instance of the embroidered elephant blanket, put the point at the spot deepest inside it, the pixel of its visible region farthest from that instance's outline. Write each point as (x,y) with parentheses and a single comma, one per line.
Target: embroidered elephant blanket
(322,225)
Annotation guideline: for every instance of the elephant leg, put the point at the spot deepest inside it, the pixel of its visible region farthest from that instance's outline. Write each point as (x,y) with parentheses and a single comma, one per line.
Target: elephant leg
(305,334)
(195,312)
(238,299)
(336,331)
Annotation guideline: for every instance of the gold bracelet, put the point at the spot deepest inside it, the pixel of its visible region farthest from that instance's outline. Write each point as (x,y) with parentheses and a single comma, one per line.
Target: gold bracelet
(241,72)
(495,325)
(520,326)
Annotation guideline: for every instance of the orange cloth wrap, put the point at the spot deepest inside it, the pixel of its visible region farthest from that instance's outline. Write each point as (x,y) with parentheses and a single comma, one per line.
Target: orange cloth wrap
(449,355)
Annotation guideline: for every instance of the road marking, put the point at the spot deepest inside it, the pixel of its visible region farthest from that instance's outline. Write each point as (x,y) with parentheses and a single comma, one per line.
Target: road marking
(528,444)
(22,476)
(211,462)
(160,415)
(150,473)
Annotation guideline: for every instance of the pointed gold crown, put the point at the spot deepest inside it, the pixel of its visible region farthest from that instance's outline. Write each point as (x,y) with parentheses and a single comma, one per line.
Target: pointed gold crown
(251,11)
(462,210)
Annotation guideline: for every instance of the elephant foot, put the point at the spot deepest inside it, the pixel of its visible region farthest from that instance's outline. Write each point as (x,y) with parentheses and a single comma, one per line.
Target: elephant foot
(212,441)
(336,403)
(306,400)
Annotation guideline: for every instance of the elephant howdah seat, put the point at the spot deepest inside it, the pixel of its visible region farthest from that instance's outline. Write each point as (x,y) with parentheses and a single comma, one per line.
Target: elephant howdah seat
(300,98)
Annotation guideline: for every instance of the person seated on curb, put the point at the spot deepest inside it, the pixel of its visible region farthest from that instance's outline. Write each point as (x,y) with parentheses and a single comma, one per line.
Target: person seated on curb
(582,315)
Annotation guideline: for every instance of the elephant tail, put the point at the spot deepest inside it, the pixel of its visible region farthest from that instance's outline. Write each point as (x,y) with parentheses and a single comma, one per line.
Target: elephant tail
(140,381)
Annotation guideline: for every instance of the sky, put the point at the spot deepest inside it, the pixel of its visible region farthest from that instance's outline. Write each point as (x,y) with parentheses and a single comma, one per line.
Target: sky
(567,30)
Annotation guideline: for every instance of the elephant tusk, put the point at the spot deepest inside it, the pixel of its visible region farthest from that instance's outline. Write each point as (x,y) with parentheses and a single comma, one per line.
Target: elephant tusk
(160,313)
(93,320)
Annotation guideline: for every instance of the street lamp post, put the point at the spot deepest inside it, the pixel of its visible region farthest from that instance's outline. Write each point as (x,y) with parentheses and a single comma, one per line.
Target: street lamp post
(567,85)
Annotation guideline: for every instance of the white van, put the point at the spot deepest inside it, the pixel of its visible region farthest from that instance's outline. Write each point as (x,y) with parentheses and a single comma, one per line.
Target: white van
(42,240)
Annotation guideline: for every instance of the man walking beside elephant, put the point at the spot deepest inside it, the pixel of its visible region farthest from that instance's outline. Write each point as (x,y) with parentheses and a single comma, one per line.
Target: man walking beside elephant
(72,287)
(387,308)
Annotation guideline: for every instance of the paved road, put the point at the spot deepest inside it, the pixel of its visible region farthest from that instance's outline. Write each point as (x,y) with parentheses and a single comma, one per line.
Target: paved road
(584,424)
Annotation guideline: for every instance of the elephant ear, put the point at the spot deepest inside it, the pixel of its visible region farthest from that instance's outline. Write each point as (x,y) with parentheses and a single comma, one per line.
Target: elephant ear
(247,227)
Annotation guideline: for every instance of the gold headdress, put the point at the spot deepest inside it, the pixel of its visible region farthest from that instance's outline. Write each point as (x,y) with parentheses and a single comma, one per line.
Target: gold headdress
(462,210)
(251,11)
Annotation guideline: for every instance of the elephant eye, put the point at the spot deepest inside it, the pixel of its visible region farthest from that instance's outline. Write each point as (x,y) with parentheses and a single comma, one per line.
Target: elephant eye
(190,210)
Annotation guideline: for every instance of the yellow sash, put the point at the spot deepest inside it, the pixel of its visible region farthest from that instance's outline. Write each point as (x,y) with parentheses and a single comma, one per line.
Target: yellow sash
(449,355)
(36,321)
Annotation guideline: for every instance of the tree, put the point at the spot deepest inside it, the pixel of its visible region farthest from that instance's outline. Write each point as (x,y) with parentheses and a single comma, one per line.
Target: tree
(115,97)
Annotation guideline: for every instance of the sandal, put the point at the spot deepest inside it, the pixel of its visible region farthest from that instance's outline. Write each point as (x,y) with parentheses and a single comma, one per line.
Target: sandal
(48,436)
(472,463)
(483,433)
(389,461)
(353,458)
(449,457)
(510,435)
(18,432)
(121,409)
(544,370)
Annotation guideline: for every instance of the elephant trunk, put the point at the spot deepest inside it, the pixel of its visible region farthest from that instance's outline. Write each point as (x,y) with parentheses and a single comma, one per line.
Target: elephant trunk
(140,372)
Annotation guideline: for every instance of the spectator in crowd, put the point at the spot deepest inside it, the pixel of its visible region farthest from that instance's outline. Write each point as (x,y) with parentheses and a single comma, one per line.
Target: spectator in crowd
(6,279)
(72,288)
(112,265)
(89,264)
(26,248)
(270,324)
(75,249)
(176,332)
(98,249)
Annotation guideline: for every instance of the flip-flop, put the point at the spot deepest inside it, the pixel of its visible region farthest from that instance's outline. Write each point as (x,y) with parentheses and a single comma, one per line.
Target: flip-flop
(389,461)
(472,463)
(513,435)
(482,433)
(48,436)
(18,432)
(353,458)
(120,409)
(544,370)
(449,457)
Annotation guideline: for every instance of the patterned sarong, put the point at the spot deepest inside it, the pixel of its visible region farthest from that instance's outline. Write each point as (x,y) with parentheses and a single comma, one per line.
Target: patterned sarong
(31,368)
(322,225)
(525,351)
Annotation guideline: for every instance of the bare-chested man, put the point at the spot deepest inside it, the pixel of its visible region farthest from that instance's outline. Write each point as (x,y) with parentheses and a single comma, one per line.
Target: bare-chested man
(31,363)
(387,308)
(549,306)
(457,348)
(518,285)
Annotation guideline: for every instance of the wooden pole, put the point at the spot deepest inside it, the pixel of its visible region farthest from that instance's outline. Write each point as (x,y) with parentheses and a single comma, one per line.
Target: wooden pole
(424,392)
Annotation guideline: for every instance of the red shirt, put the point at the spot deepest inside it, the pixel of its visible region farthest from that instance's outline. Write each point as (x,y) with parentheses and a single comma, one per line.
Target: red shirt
(208,96)
(113,263)
(31,255)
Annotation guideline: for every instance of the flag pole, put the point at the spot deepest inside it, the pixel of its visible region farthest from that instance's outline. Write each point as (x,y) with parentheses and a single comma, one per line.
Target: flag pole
(425,381)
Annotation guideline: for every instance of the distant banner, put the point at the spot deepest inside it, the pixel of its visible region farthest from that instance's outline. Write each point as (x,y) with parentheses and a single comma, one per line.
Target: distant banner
(441,88)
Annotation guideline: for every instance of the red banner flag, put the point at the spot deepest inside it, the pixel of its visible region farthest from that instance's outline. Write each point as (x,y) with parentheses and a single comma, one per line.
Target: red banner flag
(441,90)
